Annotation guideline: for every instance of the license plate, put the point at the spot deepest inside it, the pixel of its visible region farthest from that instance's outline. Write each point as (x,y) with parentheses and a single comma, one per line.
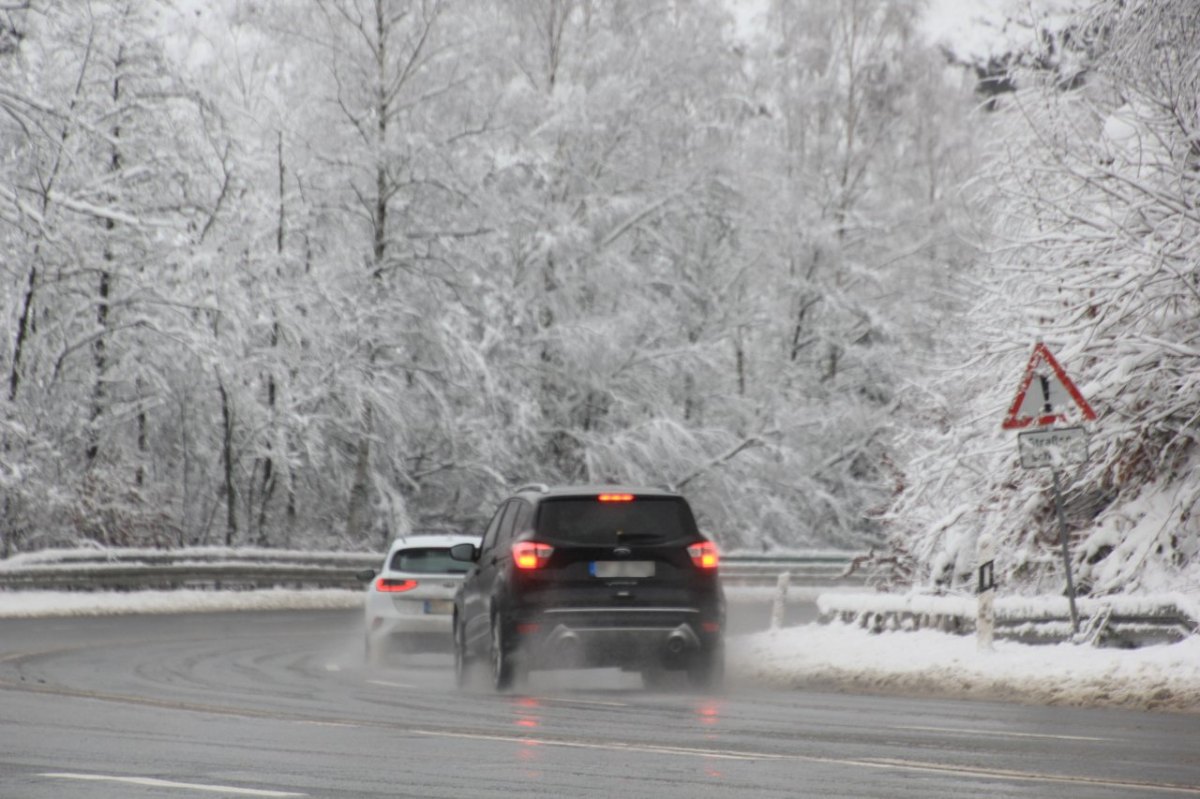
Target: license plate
(439,606)
(622,568)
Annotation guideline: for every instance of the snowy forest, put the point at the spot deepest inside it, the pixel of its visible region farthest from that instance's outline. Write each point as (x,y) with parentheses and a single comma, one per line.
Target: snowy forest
(316,273)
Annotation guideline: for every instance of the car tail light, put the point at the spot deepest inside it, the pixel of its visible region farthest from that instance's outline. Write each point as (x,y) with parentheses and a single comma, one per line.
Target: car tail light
(394,586)
(704,555)
(615,497)
(531,554)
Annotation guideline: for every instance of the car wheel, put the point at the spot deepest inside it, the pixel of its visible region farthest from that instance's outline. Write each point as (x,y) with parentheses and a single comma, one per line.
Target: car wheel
(502,665)
(371,652)
(654,678)
(462,660)
(707,669)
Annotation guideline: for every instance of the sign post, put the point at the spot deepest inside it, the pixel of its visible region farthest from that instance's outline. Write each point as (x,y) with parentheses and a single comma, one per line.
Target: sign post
(1050,446)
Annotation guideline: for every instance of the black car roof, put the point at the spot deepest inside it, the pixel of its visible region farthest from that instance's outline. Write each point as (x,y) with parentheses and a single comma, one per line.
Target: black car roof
(544,491)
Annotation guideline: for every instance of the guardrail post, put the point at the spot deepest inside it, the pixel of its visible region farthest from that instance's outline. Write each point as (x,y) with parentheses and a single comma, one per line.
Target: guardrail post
(777,608)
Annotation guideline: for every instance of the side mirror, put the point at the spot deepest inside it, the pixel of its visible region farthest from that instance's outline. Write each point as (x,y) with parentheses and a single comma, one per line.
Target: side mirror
(464,552)
(365,576)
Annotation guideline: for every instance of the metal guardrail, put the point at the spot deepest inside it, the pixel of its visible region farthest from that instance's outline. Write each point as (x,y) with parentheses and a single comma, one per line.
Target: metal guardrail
(245,569)
(763,571)
(204,569)
(1121,622)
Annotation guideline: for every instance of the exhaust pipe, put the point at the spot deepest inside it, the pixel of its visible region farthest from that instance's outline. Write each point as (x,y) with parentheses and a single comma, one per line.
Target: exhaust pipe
(566,648)
(680,640)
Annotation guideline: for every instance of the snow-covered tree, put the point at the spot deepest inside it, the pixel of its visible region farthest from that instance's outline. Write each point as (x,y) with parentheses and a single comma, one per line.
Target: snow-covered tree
(106,178)
(1095,219)
(400,255)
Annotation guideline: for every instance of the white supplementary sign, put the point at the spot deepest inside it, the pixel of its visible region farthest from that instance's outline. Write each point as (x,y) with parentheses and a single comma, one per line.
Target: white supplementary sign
(1053,448)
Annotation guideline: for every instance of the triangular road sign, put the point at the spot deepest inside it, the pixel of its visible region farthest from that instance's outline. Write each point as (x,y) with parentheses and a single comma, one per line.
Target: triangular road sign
(1046,399)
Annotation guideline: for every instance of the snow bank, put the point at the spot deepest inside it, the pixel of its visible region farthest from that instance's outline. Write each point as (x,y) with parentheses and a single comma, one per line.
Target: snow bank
(83,555)
(1026,607)
(39,604)
(845,657)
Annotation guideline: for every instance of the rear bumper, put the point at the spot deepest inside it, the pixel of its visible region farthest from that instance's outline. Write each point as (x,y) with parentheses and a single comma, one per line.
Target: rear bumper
(411,633)
(441,624)
(627,637)
(415,618)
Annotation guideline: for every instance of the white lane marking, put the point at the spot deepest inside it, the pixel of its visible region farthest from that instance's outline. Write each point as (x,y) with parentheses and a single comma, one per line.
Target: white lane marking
(616,746)
(563,700)
(865,763)
(387,684)
(151,782)
(1027,776)
(1001,734)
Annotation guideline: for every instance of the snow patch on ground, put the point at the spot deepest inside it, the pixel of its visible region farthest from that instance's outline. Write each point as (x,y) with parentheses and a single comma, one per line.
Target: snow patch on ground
(846,657)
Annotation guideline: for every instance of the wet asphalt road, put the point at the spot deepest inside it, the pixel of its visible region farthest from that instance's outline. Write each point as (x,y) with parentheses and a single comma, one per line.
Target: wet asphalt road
(281,705)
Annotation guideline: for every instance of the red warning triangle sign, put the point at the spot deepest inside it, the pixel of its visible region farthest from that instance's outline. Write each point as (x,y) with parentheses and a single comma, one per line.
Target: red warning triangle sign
(1045,394)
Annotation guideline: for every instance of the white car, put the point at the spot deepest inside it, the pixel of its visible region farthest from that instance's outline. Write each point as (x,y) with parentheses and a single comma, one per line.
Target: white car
(410,602)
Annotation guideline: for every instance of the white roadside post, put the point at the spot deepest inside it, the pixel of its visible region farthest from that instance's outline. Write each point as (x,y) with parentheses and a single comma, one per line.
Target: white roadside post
(777,608)
(985,619)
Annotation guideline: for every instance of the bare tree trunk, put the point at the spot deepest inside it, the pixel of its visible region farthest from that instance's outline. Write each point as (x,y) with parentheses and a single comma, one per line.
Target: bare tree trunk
(360,487)
(139,476)
(23,327)
(231,525)
(360,490)
(267,487)
(100,360)
(99,348)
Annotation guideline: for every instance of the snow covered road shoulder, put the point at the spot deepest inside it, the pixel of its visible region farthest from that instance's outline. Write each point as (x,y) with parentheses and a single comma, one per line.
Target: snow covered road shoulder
(846,657)
(828,657)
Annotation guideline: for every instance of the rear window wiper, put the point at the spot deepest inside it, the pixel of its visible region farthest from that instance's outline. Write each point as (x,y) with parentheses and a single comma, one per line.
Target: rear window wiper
(627,538)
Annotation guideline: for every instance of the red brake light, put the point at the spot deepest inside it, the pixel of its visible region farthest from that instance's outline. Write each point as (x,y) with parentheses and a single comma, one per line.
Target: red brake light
(392,586)
(704,555)
(531,554)
(615,497)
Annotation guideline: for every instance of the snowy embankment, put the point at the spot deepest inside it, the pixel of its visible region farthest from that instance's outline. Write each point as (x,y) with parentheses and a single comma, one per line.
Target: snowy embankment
(836,656)
(926,662)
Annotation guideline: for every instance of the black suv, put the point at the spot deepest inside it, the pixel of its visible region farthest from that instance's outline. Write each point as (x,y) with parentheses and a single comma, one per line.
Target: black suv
(591,576)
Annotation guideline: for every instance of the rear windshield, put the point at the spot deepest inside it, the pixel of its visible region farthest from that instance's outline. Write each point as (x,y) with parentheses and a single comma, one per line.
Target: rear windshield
(587,520)
(430,560)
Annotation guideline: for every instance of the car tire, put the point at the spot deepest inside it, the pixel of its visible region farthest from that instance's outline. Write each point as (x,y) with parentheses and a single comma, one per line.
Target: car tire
(462,658)
(707,669)
(655,678)
(502,664)
(371,652)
